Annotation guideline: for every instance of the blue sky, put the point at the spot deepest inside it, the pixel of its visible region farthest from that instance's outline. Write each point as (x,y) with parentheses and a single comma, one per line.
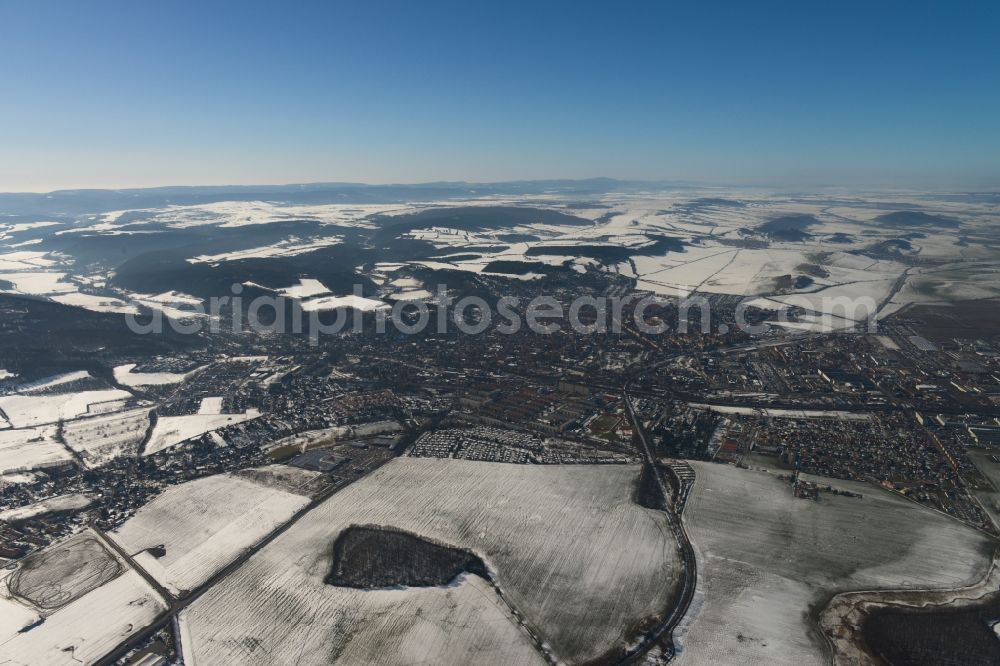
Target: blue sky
(866,94)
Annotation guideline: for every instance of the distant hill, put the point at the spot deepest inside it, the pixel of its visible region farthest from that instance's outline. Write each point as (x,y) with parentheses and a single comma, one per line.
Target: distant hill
(788,227)
(915,218)
(708,202)
(840,237)
(77,202)
(474,218)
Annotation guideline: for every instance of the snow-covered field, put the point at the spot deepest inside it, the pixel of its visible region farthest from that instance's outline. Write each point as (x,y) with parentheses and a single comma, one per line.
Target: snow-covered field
(571,552)
(240,213)
(845,249)
(38,282)
(100,439)
(211,405)
(288,248)
(323,303)
(70,502)
(411,295)
(125,376)
(25,411)
(87,629)
(375,428)
(784,413)
(768,561)
(284,477)
(31,448)
(25,260)
(305,288)
(8,228)
(465,623)
(172,430)
(204,525)
(96,303)
(81,631)
(55,380)
(174,311)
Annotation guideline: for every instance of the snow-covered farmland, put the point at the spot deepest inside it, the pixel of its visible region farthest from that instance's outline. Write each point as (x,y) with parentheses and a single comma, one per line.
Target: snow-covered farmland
(768,561)
(174,298)
(336,302)
(15,478)
(464,623)
(72,502)
(55,380)
(30,448)
(290,479)
(287,248)
(375,428)
(211,405)
(172,430)
(82,623)
(411,295)
(25,411)
(38,283)
(125,376)
(87,629)
(771,412)
(174,305)
(571,552)
(242,213)
(101,439)
(205,524)
(17,227)
(25,260)
(305,288)
(96,303)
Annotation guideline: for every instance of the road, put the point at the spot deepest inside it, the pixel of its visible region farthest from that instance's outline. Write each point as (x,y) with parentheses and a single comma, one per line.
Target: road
(175,605)
(113,545)
(689,565)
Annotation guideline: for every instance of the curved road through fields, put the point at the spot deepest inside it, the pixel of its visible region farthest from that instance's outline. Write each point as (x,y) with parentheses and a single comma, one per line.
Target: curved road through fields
(689,566)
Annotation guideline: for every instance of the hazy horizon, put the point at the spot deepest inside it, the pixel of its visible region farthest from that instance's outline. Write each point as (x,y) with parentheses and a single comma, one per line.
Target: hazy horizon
(654,183)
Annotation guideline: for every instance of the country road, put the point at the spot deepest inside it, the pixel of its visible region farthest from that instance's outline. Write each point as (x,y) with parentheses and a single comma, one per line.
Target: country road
(175,605)
(689,566)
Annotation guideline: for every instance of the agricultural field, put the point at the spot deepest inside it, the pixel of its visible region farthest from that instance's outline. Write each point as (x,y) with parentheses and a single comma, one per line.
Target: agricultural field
(125,375)
(285,478)
(749,243)
(26,411)
(769,562)
(589,565)
(194,529)
(31,448)
(70,604)
(101,439)
(63,572)
(62,503)
(52,381)
(172,430)
(988,492)
(96,303)
(211,405)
